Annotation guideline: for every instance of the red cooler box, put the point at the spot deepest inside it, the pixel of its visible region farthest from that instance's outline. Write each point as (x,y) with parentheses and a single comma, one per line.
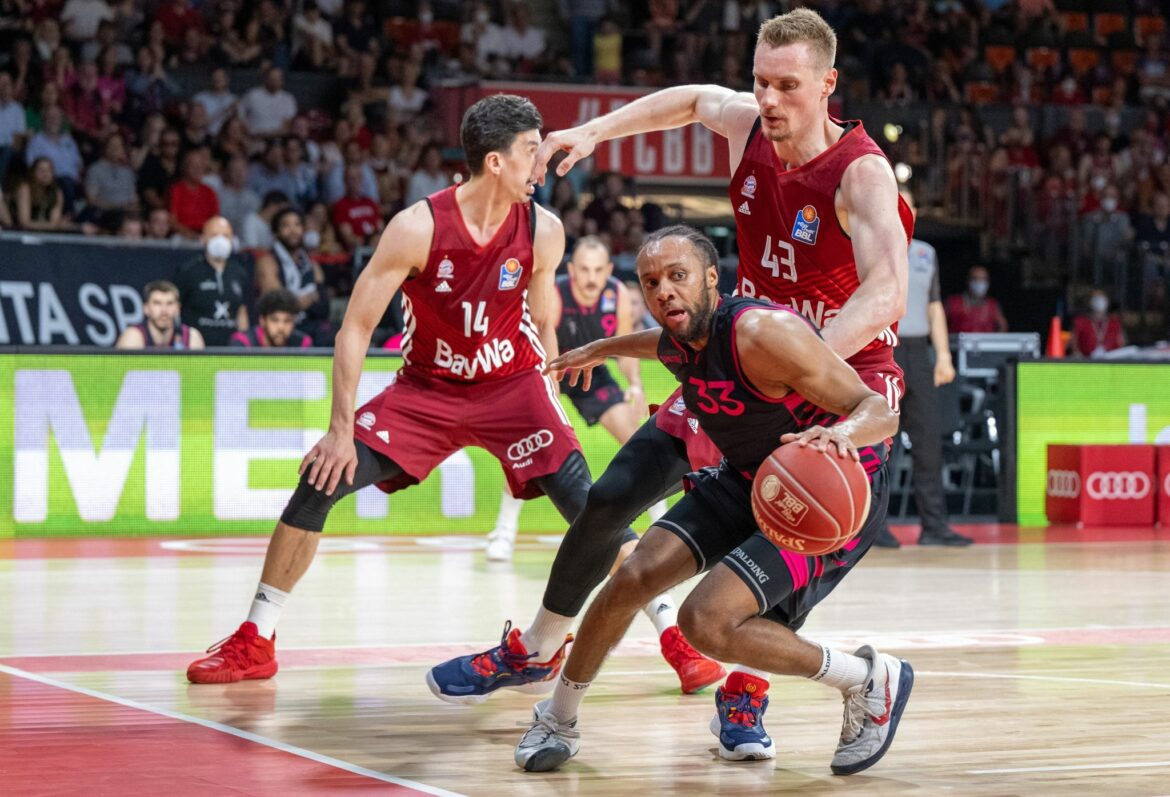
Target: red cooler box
(1102,485)
(1164,485)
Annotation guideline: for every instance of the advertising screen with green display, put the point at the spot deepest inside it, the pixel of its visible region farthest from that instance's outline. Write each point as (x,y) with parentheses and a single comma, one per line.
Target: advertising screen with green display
(102,444)
(1082,403)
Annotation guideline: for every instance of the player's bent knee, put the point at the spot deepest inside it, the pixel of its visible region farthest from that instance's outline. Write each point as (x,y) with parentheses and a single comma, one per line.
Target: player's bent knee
(709,632)
(634,584)
(308,507)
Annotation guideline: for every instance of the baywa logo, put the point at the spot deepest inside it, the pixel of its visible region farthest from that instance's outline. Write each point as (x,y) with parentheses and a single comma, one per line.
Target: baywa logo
(1064,484)
(530,445)
(1132,485)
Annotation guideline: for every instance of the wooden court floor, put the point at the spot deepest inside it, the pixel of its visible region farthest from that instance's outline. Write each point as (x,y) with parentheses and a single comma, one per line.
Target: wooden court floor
(1042,661)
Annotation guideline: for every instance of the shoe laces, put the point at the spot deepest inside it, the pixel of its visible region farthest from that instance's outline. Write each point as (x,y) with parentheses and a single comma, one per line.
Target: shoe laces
(856,713)
(488,662)
(233,650)
(544,727)
(745,711)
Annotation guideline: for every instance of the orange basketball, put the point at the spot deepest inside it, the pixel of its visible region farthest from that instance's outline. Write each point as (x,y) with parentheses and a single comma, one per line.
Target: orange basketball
(810,502)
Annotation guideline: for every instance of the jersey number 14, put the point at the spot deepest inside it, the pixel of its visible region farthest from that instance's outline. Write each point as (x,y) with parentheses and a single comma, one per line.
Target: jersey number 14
(474,319)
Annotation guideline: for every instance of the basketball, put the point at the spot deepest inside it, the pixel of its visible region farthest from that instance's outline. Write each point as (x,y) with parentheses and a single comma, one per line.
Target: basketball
(810,502)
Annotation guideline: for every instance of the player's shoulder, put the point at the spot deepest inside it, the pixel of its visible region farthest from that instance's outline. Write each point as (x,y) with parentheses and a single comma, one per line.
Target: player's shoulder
(547,221)
(867,172)
(758,323)
(413,224)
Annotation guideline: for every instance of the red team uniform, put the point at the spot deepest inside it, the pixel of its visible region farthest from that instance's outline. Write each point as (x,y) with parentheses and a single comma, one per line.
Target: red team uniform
(793,252)
(473,360)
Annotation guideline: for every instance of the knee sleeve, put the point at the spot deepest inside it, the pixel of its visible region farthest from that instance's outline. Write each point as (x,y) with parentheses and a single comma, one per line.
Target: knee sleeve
(308,507)
(647,467)
(568,487)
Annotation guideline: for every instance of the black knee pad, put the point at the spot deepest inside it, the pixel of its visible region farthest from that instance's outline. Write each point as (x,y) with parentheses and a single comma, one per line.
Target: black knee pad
(308,507)
(568,488)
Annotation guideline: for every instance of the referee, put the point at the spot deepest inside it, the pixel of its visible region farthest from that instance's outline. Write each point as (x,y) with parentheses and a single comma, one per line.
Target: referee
(923,328)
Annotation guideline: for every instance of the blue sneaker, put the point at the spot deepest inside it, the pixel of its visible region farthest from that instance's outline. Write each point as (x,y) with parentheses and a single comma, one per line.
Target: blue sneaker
(739,720)
(468,680)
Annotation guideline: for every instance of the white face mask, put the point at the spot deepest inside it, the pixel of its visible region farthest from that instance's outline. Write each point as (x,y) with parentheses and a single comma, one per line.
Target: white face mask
(312,239)
(426,17)
(978,288)
(219,247)
(1099,304)
(483,16)
(1109,204)
(1098,183)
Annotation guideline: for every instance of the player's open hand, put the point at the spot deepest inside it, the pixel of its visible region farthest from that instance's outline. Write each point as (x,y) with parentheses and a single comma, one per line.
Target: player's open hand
(825,439)
(575,141)
(332,458)
(578,364)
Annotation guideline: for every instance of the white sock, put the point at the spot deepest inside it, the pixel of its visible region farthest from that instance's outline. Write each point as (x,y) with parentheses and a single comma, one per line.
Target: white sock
(746,670)
(546,634)
(662,612)
(266,609)
(508,518)
(657,511)
(842,670)
(566,699)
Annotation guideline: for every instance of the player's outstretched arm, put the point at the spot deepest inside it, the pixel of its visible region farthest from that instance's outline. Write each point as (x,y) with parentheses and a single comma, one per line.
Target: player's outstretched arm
(402,250)
(780,352)
(729,113)
(580,362)
(630,367)
(869,198)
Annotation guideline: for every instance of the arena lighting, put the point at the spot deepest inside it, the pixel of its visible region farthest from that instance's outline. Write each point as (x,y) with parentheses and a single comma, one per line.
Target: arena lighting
(903,172)
(892,132)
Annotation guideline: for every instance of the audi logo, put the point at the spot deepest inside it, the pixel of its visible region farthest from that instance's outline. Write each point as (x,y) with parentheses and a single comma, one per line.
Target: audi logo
(1131,485)
(1064,483)
(530,445)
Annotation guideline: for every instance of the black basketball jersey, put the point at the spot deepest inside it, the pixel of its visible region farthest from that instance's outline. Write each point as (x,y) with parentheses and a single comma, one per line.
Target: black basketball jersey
(579,324)
(743,422)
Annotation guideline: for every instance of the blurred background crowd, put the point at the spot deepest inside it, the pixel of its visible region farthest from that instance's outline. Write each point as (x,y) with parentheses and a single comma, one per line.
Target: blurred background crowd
(1036,129)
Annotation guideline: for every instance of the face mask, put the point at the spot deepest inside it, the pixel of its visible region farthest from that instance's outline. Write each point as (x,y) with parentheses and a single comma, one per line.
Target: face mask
(978,288)
(1099,304)
(1098,183)
(312,239)
(1109,204)
(426,17)
(1069,86)
(219,247)
(483,16)
(1113,121)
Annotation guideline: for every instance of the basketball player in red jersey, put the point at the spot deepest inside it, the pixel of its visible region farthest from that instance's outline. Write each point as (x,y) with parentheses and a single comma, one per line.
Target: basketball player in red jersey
(820,228)
(476,264)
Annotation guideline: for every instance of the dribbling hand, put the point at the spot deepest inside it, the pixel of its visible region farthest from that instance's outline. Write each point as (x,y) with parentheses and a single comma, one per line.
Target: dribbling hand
(578,364)
(823,439)
(577,143)
(334,456)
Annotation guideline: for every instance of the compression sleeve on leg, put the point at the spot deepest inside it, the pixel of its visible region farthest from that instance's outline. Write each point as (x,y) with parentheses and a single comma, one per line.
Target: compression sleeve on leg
(308,507)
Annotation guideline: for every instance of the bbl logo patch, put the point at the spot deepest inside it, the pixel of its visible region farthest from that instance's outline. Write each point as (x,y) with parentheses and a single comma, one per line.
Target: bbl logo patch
(749,187)
(510,274)
(806,226)
(609,301)
(446,269)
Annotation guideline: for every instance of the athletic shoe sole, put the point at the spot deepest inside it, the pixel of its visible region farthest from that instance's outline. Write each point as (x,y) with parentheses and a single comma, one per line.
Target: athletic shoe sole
(717,675)
(744,752)
(257,673)
(905,684)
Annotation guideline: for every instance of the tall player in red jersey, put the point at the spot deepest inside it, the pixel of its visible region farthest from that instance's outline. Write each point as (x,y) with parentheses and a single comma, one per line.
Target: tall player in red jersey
(476,265)
(820,228)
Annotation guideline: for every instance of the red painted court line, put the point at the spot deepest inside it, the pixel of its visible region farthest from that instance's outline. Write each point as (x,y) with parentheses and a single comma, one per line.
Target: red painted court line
(57,741)
(424,655)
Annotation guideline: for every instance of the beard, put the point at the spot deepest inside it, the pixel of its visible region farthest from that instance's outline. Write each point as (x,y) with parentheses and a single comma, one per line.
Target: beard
(700,324)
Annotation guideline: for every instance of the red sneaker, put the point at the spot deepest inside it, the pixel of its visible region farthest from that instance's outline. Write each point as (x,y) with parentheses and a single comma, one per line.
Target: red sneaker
(695,670)
(242,656)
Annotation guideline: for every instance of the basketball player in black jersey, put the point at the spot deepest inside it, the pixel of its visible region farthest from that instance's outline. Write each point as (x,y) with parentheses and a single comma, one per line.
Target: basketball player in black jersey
(592,305)
(755,374)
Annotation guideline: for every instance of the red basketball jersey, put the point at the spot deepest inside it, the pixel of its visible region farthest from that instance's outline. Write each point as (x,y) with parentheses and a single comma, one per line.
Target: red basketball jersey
(467,314)
(792,250)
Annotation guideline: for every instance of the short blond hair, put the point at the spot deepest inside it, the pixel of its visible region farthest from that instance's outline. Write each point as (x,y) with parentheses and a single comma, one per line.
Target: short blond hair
(801,25)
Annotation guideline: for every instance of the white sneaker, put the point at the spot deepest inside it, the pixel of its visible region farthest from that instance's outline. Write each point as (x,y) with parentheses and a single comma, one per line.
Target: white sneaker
(500,544)
(872,712)
(548,742)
